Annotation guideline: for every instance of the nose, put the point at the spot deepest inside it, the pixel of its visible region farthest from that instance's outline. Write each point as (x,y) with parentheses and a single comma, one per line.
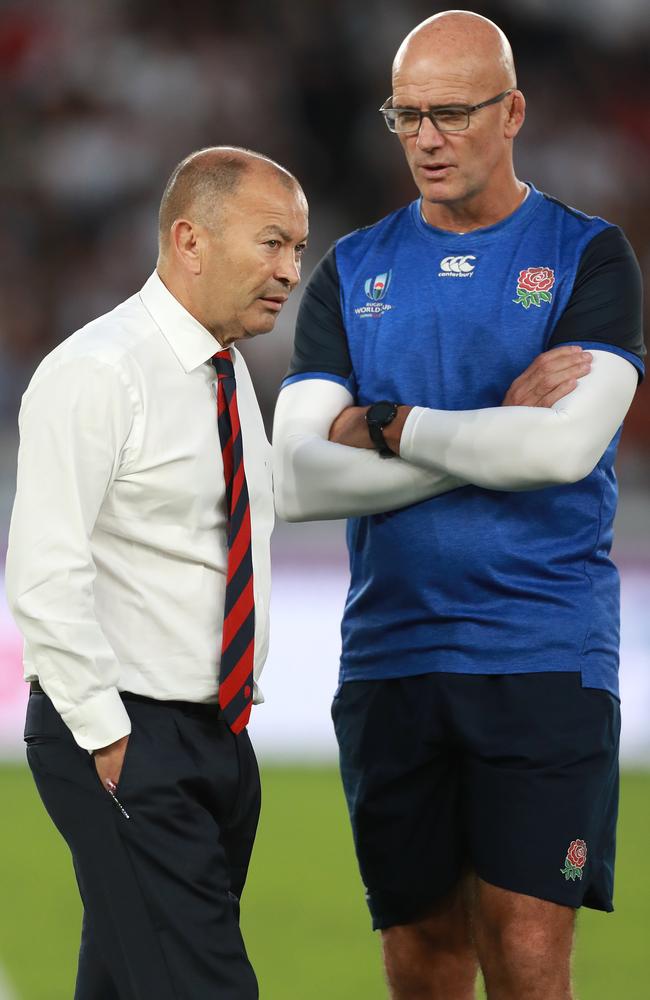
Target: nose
(429,137)
(288,268)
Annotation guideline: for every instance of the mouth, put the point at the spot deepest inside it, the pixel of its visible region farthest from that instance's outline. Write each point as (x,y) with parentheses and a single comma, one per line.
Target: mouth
(434,169)
(274,302)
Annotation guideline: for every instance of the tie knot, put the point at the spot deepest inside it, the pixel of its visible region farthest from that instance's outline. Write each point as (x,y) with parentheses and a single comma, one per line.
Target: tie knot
(223,364)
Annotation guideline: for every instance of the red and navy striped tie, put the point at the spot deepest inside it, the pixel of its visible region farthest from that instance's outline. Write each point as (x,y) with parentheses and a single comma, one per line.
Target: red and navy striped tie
(238,642)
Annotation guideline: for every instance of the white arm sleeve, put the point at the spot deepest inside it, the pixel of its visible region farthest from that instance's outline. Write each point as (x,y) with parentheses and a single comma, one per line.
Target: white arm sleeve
(315,479)
(74,421)
(522,447)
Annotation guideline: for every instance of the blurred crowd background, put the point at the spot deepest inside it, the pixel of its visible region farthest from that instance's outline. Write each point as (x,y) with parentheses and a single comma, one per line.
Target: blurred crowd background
(99,99)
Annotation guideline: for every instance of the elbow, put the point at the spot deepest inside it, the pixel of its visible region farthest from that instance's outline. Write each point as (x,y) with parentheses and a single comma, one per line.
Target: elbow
(295,504)
(301,481)
(12,591)
(285,495)
(19,606)
(575,472)
(567,467)
(284,508)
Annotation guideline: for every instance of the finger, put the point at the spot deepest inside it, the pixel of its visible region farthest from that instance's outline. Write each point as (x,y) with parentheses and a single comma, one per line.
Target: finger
(562,390)
(553,363)
(546,368)
(544,383)
(565,350)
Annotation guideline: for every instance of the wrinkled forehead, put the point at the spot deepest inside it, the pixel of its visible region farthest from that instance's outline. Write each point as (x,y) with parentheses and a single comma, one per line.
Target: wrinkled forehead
(264,199)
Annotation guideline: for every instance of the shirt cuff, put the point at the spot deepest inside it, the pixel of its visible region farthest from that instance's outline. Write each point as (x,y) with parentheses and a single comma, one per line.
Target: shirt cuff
(99,721)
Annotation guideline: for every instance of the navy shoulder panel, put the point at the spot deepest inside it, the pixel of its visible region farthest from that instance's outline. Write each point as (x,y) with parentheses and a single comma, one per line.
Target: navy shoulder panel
(320,344)
(607,298)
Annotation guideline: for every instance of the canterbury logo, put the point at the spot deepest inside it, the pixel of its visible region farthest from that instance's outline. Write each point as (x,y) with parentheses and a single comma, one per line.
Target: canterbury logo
(458,265)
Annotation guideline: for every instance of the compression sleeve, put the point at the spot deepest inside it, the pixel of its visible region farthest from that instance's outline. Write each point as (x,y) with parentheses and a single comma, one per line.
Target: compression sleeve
(316,479)
(605,309)
(521,447)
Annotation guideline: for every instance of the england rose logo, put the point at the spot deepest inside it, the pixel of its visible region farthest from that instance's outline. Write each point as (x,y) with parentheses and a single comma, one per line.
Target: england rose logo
(534,286)
(575,860)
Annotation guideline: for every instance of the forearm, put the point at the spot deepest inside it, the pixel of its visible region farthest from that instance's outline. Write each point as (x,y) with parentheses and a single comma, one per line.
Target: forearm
(520,448)
(75,665)
(72,429)
(316,479)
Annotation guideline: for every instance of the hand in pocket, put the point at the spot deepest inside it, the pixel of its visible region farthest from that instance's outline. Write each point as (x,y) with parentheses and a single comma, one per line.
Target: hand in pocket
(109,761)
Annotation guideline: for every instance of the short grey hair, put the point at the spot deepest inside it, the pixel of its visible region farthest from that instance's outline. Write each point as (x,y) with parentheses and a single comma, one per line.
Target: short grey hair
(203,181)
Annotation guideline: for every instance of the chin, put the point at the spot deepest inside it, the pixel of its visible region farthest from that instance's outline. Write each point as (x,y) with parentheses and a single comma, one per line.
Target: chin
(255,329)
(261,324)
(437,192)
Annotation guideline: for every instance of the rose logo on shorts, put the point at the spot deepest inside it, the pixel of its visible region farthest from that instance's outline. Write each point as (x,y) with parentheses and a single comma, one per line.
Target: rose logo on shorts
(575,860)
(533,286)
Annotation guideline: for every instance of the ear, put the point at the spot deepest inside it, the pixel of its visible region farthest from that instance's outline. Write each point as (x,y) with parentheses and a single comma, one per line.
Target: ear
(516,114)
(184,241)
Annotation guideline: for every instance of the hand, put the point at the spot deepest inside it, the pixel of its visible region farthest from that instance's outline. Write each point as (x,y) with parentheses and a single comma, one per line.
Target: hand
(109,761)
(551,376)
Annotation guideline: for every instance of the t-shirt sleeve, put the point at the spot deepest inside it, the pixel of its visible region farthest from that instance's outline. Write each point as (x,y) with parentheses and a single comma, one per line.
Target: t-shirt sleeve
(606,305)
(320,347)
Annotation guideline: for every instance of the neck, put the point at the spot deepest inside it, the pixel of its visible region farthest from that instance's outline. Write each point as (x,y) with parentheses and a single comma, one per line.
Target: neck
(477,211)
(178,286)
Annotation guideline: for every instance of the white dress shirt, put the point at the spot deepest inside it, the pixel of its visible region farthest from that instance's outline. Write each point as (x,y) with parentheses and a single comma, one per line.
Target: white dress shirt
(116,568)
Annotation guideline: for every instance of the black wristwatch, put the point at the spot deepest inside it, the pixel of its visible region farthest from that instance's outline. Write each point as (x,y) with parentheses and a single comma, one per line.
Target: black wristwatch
(378,416)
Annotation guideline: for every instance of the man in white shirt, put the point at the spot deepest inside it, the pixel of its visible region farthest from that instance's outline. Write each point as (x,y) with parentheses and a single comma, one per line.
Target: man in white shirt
(138,571)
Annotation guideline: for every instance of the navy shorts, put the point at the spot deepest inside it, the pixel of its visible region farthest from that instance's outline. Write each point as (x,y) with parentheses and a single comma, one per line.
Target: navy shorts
(512,776)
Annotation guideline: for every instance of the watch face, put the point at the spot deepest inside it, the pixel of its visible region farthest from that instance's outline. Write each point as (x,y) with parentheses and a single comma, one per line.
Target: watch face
(381,413)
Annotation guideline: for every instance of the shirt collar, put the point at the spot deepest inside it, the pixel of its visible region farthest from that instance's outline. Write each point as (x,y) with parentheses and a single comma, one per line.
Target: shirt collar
(192,344)
(450,232)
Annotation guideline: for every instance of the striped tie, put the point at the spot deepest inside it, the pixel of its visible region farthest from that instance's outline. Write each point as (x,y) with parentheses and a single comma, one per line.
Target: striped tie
(238,642)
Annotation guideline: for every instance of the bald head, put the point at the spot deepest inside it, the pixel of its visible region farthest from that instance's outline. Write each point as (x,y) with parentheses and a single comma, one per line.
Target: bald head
(462,44)
(456,69)
(202,183)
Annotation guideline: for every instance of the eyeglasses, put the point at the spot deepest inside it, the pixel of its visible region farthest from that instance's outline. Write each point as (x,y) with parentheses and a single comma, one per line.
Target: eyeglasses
(407,121)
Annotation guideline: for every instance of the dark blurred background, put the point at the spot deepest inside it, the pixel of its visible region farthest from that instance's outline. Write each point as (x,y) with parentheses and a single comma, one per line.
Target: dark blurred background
(100,99)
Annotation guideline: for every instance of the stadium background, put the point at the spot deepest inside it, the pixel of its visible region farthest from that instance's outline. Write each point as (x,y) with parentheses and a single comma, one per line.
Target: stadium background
(98,101)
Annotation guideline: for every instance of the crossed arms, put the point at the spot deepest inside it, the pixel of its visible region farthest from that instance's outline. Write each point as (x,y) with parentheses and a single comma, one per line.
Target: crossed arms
(553,427)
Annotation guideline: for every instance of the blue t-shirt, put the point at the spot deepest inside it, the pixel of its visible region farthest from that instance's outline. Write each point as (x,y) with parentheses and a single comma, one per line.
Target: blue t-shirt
(476,580)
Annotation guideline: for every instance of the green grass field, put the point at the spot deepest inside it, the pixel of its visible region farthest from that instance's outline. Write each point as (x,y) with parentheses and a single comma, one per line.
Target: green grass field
(304,916)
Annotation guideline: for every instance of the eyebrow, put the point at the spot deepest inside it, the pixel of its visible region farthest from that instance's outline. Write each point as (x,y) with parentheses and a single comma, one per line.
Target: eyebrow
(277,231)
(431,107)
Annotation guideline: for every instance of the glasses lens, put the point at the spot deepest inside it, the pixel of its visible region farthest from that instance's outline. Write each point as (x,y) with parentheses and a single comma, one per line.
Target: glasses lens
(452,119)
(402,120)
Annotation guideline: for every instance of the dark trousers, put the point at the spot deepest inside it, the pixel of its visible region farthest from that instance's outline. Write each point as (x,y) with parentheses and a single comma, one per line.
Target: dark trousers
(160,889)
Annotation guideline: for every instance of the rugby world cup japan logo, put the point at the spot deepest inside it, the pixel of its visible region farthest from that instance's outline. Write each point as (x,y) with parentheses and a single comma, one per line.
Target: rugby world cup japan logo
(576,858)
(377,287)
(534,286)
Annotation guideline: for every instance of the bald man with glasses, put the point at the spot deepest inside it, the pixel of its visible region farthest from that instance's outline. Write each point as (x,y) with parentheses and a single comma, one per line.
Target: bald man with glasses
(477,712)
